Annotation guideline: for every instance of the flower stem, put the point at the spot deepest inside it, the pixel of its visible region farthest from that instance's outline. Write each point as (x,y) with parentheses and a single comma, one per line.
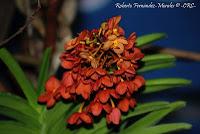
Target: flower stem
(81,107)
(97,50)
(112,103)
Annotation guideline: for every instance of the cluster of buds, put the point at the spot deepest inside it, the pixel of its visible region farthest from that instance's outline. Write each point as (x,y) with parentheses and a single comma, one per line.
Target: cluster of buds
(100,72)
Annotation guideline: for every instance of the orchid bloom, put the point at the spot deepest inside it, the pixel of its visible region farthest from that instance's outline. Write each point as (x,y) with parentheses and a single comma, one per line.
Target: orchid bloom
(100,73)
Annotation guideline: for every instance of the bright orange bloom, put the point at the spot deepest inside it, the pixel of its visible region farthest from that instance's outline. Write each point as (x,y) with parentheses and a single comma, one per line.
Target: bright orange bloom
(77,118)
(125,103)
(84,90)
(100,72)
(114,116)
(50,96)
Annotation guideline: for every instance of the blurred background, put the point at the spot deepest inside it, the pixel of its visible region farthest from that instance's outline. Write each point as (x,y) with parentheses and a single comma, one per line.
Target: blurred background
(60,20)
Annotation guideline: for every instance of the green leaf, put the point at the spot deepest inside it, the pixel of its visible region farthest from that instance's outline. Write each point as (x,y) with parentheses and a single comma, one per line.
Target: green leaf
(102,130)
(54,113)
(154,117)
(44,70)
(157,59)
(57,113)
(13,127)
(139,109)
(19,75)
(17,103)
(145,108)
(155,85)
(58,127)
(155,67)
(61,126)
(95,128)
(164,128)
(142,109)
(149,38)
(20,117)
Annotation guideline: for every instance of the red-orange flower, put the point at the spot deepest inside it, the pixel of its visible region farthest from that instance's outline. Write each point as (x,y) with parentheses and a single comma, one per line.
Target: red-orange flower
(114,116)
(95,73)
(84,90)
(121,88)
(96,107)
(50,96)
(131,41)
(68,79)
(115,43)
(100,72)
(68,61)
(114,27)
(79,117)
(103,96)
(107,81)
(125,103)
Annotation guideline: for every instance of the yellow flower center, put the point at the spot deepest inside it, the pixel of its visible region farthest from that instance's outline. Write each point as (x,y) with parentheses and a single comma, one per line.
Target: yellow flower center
(82,42)
(115,43)
(115,31)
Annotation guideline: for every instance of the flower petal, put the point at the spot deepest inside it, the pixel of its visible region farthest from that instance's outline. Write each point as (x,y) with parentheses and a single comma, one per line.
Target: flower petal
(104,96)
(122,40)
(131,87)
(121,88)
(124,105)
(114,116)
(116,79)
(107,45)
(51,102)
(67,64)
(84,90)
(86,118)
(119,49)
(95,76)
(52,84)
(139,81)
(125,65)
(114,94)
(131,41)
(73,119)
(112,37)
(64,93)
(107,81)
(138,54)
(67,79)
(132,102)
(44,97)
(113,22)
(131,70)
(70,44)
(101,71)
(108,118)
(121,31)
(96,85)
(96,108)
(89,72)
(107,108)
(119,72)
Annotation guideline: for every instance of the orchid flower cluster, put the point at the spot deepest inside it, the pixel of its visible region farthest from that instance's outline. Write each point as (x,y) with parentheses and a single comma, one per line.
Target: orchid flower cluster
(100,72)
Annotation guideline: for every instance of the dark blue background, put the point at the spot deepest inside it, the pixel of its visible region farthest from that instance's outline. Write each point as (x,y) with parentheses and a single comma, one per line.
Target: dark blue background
(183,29)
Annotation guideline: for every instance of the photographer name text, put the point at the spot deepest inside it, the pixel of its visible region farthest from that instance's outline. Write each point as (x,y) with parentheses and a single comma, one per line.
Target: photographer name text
(122,5)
